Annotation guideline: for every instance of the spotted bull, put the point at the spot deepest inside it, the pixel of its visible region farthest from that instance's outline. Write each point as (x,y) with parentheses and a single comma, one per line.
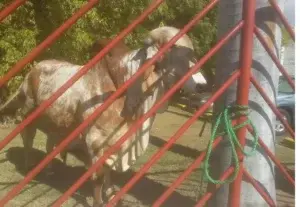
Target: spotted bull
(91,90)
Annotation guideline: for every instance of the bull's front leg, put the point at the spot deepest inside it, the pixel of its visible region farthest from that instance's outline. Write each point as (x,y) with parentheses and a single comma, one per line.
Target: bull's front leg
(103,191)
(98,184)
(108,190)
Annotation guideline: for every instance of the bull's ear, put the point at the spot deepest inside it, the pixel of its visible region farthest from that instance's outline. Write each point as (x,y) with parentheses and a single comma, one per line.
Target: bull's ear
(94,49)
(148,41)
(136,92)
(117,51)
(133,97)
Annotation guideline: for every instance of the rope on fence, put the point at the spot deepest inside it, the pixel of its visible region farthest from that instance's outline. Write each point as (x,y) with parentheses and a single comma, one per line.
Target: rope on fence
(227,116)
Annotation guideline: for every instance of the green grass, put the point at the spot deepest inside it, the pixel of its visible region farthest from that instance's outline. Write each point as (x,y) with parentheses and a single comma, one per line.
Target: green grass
(43,190)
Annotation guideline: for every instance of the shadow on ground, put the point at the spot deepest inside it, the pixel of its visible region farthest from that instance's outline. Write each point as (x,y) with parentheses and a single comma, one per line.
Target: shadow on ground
(282,183)
(146,190)
(176,148)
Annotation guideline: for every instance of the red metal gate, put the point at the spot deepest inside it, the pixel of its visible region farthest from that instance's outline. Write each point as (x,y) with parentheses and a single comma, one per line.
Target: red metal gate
(247,25)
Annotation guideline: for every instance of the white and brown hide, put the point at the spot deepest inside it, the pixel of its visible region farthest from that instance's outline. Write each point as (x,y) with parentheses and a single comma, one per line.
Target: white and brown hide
(91,90)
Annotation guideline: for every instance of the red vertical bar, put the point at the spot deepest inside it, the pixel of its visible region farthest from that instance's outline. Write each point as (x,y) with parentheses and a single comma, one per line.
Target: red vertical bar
(249,7)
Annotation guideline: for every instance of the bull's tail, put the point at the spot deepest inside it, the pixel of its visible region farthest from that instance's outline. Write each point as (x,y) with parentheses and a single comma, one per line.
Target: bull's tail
(15,102)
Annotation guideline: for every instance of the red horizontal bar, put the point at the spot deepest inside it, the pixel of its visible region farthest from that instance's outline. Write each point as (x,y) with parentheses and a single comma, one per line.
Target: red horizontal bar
(99,110)
(272,106)
(117,145)
(47,42)
(259,188)
(283,19)
(10,8)
(208,195)
(274,58)
(172,140)
(274,159)
(43,106)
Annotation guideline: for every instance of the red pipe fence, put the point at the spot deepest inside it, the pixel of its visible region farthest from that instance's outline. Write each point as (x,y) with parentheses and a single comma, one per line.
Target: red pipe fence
(243,75)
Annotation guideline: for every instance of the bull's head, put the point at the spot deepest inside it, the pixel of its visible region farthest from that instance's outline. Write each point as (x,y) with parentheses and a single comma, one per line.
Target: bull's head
(168,70)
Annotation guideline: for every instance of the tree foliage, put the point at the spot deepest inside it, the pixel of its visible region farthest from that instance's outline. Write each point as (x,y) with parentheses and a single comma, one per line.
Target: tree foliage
(31,23)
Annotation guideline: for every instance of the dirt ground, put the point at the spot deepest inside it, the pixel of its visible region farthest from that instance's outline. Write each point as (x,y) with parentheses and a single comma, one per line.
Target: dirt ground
(44,190)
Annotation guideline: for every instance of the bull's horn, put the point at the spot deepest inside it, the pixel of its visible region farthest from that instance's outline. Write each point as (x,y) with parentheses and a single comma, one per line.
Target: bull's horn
(162,35)
(148,41)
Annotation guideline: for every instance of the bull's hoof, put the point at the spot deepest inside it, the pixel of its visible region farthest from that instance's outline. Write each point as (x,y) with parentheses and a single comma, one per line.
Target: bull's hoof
(48,171)
(63,156)
(109,194)
(99,205)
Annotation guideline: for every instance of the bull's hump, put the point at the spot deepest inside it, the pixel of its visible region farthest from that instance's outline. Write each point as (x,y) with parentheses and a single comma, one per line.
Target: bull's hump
(51,66)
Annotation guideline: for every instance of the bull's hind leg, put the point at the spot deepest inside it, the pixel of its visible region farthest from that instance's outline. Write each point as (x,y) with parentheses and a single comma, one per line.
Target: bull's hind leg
(54,139)
(28,135)
(50,144)
(28,132)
